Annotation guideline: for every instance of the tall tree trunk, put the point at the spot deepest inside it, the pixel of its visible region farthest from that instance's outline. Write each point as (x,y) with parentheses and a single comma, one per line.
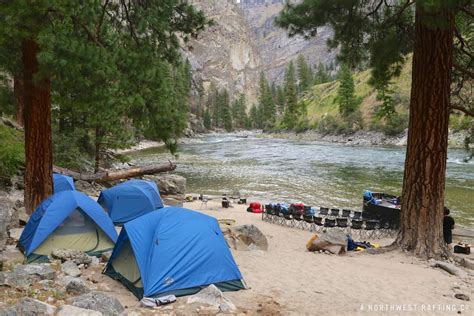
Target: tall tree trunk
(38,145)
(425,165)
(19,92)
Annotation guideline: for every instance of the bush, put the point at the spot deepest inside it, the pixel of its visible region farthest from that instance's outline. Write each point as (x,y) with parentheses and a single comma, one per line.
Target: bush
(459,122)
(12,153)
(396,125)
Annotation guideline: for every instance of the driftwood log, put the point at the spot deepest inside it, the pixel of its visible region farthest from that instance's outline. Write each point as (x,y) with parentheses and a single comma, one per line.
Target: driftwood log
(115,175)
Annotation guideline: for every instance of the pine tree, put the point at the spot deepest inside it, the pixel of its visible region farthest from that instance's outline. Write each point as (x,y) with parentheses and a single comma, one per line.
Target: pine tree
(207,119)
(281,99)
(305,74)
(224,108)
(346,99)
(254,117)
(290,116)
(266,103)
(51,44)
(239,114)
(381,34)
(322,74)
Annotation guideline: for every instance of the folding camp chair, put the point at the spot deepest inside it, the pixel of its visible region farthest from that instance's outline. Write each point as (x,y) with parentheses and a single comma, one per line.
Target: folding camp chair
(323,211)
(342,223)
(318,223)
(267,213)
(329,222)
(334,212)
(309,223)
(371,229)
(204,200)
(298,220)
(357,215)
(356,227)
(288,220)
(346,213)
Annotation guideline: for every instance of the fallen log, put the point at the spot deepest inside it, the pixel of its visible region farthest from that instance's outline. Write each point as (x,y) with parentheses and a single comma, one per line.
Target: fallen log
(115,175)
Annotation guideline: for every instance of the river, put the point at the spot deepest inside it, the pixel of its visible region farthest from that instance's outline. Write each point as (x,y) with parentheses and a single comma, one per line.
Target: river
(315,173)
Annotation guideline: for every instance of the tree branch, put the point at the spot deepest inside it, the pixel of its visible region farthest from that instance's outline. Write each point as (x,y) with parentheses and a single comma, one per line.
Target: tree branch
(462,109)
(130,24)
(101,20)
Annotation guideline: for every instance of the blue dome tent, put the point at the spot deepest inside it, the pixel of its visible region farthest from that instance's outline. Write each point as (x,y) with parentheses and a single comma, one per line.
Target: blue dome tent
(173,251)
(62,183)
(67,220)
(129,200)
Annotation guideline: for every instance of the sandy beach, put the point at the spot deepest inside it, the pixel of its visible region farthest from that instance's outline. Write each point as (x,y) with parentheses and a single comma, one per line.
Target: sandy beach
(289,280)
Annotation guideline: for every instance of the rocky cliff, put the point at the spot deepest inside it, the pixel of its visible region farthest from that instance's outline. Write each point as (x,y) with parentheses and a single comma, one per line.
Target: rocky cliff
(225,53)
(275,47)
(244,41)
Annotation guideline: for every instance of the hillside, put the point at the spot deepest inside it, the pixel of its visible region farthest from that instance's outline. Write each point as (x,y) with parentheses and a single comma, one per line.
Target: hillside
(320,101)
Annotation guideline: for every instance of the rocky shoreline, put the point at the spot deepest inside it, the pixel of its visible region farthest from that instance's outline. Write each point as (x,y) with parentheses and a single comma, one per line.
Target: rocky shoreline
(362,138)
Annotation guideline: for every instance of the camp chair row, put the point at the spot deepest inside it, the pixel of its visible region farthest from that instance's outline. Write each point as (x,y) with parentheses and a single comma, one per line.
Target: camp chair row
(354,225)
(322,212)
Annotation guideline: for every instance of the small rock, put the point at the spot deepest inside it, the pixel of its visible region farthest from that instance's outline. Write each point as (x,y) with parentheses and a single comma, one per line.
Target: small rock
(467,263)
(68,310)
(77,287)
(462,297)
(94,261)
(98,301)
(106,256)
(29,306)
(77,256)
(450,268)
(246,237)
(71,269)
(35,271)
(211,295)
(65,279)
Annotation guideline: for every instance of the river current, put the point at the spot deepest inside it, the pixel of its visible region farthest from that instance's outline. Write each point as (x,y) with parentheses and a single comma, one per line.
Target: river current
(315,173)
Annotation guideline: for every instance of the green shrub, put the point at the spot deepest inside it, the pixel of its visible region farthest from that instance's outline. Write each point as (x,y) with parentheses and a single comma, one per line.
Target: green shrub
(396,125)
(459,122)
(12,153)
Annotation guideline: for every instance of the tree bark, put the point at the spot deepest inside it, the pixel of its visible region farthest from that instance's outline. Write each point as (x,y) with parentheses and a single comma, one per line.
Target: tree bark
(116,175)
(19,92)
(38,145)
(425,164)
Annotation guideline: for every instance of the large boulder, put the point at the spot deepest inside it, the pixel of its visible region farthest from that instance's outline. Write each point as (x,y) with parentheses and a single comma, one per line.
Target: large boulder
(29,306)
(334,241)
(211,295)
(98,301)
(245,237)
(68,310)
(170,184)
(35,272)
(76,256)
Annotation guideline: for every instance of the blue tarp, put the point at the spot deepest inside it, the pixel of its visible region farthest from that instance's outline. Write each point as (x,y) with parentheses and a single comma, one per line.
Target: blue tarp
(62,183)
(177,249)
(54,210)
(130,199)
